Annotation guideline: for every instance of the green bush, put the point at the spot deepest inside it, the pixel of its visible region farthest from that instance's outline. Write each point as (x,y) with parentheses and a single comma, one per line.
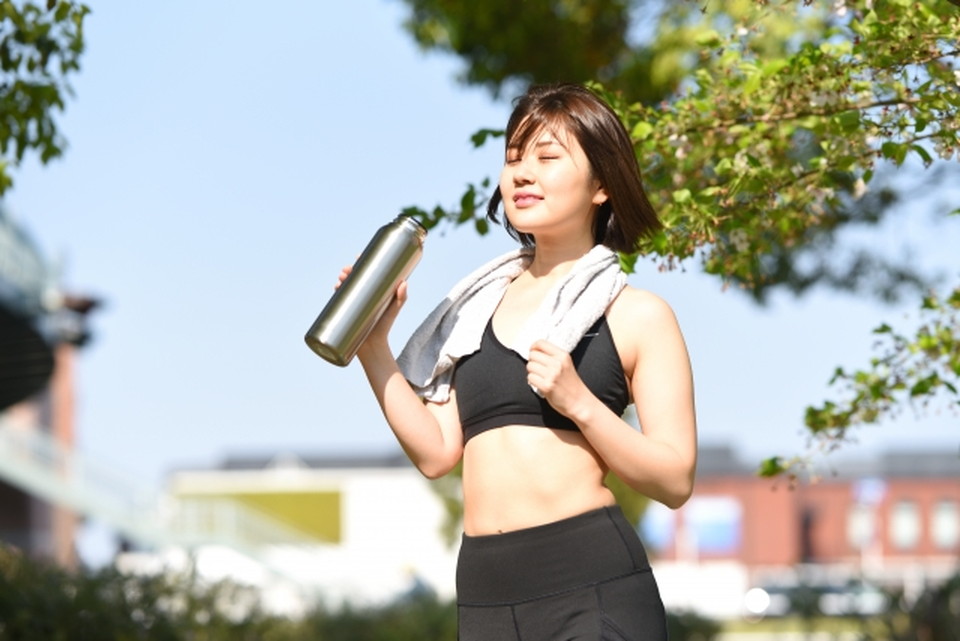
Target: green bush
(934,616)
(410,619)
(40,602)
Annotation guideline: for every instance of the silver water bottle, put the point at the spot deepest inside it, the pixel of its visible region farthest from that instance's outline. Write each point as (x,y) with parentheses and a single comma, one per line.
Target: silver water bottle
(363,297)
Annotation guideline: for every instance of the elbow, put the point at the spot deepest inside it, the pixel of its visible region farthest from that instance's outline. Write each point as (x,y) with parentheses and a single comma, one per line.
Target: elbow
(436,469)
(679,493)
(433,472)
(681,489)
(677,498)
(671,494)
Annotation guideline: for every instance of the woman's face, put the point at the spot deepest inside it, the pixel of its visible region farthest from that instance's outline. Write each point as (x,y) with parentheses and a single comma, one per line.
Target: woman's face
(548,187)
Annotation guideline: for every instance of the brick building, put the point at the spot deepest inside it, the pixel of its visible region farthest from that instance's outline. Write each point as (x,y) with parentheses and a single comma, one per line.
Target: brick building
(893,520)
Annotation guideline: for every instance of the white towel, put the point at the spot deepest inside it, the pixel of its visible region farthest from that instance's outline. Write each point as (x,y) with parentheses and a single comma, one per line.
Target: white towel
(454,328)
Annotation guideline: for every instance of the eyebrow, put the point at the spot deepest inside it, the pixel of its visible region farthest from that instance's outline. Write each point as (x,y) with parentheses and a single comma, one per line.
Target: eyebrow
(539,144)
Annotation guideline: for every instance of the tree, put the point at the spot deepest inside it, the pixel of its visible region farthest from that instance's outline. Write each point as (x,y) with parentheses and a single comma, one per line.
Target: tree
(509,53)
(40,47)
(776,137)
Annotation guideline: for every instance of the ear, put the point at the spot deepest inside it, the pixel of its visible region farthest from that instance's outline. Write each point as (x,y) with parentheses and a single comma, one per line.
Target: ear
(600,196)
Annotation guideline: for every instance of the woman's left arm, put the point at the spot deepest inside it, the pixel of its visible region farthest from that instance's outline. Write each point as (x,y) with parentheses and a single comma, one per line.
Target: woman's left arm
(659,461)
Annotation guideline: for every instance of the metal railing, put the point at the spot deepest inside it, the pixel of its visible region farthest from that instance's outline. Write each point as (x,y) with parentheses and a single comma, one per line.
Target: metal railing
(33,461)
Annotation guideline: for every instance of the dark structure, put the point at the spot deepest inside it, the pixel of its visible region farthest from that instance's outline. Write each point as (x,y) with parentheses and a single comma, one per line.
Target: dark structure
(41,328)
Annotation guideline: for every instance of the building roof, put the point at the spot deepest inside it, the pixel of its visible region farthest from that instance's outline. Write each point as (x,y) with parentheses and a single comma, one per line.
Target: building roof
(288,460)
(722,460)
(713,461)
(906,464)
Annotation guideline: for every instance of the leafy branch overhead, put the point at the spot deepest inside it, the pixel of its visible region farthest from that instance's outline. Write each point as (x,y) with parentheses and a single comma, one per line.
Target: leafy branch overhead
(782,123)
(40,47)
(756,152)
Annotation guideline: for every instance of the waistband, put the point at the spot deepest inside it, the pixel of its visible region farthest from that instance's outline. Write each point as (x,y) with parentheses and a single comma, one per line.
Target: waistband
(527,564)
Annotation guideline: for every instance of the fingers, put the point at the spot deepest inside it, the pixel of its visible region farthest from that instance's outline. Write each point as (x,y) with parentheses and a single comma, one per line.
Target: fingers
(343,275)
(545,362)
(545,349)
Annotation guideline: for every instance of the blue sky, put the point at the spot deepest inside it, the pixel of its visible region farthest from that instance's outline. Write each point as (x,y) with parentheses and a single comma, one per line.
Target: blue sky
(225,160)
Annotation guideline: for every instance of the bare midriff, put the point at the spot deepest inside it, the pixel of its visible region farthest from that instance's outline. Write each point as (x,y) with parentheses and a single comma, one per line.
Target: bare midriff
(521,476)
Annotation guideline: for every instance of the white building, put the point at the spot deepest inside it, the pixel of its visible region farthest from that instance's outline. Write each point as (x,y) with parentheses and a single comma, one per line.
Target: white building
(369,529)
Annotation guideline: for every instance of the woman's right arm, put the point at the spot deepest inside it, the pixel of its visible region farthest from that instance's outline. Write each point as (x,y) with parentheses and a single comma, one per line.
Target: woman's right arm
(429,432)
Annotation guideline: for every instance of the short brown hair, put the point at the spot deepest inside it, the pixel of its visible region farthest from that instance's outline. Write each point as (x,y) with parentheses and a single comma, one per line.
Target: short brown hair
(627,215)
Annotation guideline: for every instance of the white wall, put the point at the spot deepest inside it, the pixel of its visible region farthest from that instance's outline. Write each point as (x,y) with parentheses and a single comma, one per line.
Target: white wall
(391,539)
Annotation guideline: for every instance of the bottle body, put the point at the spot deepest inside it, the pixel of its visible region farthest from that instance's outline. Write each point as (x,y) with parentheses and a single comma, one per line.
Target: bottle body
(360,301)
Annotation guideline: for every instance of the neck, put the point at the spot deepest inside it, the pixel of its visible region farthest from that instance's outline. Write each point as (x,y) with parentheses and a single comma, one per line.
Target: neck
(555,261)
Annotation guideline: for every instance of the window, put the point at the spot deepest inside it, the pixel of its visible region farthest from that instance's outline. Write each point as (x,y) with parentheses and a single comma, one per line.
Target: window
(658,526)
(945,524)
(905,525)
(860,526)
(715,522)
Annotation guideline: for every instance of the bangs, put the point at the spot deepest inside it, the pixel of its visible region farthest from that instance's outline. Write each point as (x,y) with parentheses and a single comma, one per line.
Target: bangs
(529,127)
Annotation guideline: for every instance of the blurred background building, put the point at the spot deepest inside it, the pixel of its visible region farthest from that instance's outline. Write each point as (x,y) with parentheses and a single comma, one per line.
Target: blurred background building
(889,523)
(41,329)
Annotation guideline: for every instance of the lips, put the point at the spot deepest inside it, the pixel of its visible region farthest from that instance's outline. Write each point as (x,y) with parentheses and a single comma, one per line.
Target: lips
(525,199)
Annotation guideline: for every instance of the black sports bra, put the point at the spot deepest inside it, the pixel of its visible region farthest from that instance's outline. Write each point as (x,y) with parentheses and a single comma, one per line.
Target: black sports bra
(492,389)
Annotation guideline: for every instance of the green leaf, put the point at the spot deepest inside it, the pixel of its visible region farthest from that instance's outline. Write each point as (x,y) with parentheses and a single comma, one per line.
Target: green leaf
(480,137)
(641,130)
(63,10)
(628,262)
(681,196)
(772,466)
(894,151)
(925,385)
(709,38)
(849,120)
(923,153)
(752,83)
(774,67)
(467,205)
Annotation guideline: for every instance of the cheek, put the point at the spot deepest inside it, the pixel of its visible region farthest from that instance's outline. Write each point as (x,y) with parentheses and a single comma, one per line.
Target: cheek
(505,180)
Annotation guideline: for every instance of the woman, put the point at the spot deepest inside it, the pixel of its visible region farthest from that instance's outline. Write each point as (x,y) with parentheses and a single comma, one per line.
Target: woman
(546,554)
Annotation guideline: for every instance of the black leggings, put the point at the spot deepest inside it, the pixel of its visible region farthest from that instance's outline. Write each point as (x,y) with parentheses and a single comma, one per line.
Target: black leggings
(585,578)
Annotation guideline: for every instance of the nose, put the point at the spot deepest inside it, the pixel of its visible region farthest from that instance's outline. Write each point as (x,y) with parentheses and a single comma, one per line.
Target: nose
(522,172)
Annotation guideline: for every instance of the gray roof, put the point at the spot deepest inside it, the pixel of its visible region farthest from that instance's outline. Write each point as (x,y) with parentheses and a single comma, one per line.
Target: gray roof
(713,461)
(314,461)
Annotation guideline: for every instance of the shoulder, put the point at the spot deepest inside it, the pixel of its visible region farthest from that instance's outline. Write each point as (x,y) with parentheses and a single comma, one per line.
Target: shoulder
(638,308)
(641,324)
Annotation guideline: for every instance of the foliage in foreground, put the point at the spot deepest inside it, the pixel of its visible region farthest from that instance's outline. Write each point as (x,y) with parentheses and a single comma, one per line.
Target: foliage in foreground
(39,602)
(935,616)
